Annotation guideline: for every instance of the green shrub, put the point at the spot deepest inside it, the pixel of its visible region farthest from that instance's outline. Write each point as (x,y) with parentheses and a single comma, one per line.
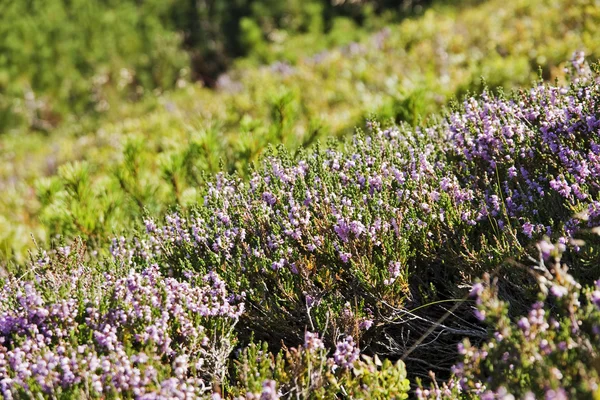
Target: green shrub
(307,372)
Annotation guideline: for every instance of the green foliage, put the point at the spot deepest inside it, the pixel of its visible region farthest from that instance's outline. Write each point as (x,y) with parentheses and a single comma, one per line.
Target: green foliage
(408,108)
(307,373)
(62,58)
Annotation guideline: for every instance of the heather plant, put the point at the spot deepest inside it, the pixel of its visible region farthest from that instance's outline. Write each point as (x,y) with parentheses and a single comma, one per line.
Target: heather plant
(348,242)
(70,330)
(318,271)
(365,245)
(550,352)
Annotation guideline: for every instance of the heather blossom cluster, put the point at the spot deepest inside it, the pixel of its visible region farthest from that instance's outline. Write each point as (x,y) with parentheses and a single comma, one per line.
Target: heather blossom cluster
(312,371)
(143,334)
(346,353)
(540,148)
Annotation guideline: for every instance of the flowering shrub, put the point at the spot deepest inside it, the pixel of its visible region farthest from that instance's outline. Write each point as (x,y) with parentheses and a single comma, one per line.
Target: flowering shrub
(550,353)
(521,155)
(365,245)
(81,334)
(342,241)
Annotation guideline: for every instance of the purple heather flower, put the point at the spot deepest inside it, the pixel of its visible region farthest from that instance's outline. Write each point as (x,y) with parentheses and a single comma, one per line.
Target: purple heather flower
(269,390)
(561,186)
(346,353)
(546,248)
(488,395)
(395,269)
(445,184)
(528,229)
(357,228)
(345,257)
(342,229)
(562,346)
(476,290)
(559,394)
(277,265)
(596,298)
(479,314)
(366,324)
(312,341)
(524,324)
(269,198)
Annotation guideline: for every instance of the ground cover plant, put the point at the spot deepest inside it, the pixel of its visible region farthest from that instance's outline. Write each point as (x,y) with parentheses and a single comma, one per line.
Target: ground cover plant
(343,272)
(92,181)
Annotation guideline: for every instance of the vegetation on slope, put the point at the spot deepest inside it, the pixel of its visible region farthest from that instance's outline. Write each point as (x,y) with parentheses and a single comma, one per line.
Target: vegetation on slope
(65,60)
(94,184)
(205,243)
(344,250)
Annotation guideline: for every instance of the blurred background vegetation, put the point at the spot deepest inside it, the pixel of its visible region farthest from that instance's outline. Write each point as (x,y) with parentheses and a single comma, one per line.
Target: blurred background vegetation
(64,59)
(110,110)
